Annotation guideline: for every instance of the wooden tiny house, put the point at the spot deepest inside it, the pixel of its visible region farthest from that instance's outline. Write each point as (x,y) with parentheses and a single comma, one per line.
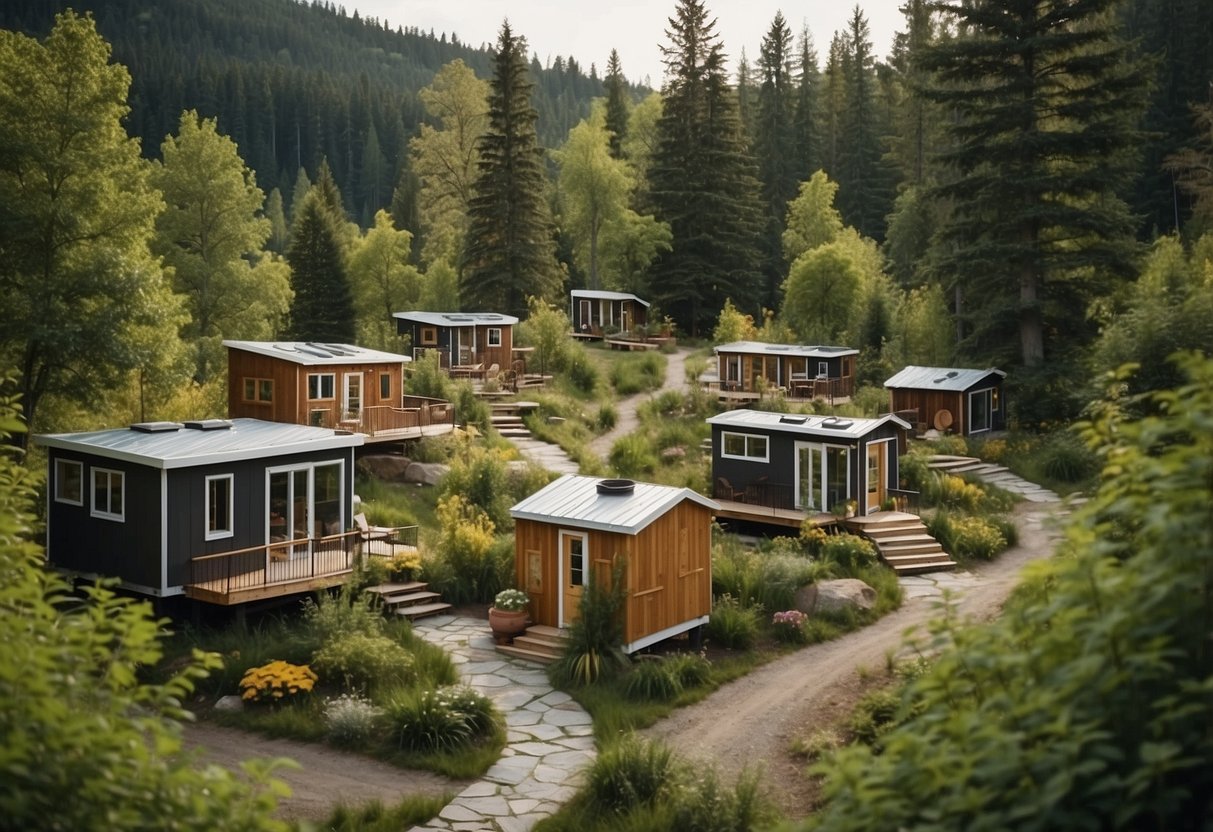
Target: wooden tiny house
(745,367)
(569,534)
(596,314)
(965,401)
(462,339)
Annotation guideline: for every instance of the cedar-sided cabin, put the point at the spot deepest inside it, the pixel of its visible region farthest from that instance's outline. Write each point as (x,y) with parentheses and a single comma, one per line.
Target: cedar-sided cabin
(330,385)
(220,511)
(803,371)
(781,467)
(569,534)
(596,314)
(463,340)
(946,398)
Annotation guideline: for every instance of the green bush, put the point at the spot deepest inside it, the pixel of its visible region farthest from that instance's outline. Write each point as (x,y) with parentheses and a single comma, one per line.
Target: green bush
(874,715)
(638,373)
(629,774)
(478,474)
(732,625)
(1066,459)
(951,444)
(871,401)
(690,669)
(652,680)
(438,720)
(427,378)
(632,456)
(607,417)
(363,660)
(582,373)
(332,616)
(847,552)
(469,562)
(350,719)
(706,806)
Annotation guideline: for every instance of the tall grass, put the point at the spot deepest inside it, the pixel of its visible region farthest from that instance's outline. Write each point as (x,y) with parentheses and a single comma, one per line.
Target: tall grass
(638,373)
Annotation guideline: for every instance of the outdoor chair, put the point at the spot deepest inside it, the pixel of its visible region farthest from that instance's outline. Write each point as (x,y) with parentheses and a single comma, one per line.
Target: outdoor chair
(726,491)
(367,532)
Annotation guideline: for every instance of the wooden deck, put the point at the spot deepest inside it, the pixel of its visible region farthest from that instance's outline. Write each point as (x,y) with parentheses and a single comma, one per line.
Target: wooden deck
(754,513)
(630,344)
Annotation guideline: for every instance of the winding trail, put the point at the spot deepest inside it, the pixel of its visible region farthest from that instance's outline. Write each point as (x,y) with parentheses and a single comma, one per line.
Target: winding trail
(627,421)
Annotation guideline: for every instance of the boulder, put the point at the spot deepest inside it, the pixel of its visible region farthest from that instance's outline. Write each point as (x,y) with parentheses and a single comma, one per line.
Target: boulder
(229,703)
(426,473)
(825,597)
(385,467)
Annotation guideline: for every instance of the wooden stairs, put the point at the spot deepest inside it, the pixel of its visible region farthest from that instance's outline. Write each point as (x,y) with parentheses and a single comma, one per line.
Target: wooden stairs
(412,599)
(539,643)
(506,419)
(903,542)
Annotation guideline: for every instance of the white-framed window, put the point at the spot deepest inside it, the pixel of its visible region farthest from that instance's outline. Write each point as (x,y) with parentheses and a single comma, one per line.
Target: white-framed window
(69,482)
(494,336)
(220,503)
(109,497)
(749,446)
(258,390)
(321,385)
(823,369)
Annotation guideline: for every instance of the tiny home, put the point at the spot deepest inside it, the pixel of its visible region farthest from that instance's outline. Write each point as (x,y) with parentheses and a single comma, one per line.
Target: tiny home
(946,398)
(807,464)
(804,371)
(596,314)
(569,534)
(220,511)
(463,340)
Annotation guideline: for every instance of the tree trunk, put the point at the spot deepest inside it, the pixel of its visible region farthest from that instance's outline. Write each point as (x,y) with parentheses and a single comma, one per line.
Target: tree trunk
(1031,329)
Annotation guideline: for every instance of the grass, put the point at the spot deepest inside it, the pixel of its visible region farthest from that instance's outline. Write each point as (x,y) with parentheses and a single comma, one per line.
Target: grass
(375,817)
(397,504)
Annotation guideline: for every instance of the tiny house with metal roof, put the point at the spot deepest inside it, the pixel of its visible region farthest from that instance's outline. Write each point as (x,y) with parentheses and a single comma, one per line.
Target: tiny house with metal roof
(219,511)
(596,313)
(571,532)
(967,401)
(743,368)
(461,339)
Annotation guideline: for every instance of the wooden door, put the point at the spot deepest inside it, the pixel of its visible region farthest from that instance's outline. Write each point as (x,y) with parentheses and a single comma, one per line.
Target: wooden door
(574,565)
(877,459)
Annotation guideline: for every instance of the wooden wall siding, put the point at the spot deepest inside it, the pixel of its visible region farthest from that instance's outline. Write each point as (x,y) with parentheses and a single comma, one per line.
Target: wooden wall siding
(284,407)
(779,369)
(930,402)
(334,407)
(530,535)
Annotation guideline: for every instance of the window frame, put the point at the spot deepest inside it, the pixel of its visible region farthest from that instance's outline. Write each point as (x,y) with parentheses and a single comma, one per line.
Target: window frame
(489,339)
(428,336)
(385,381)
(254,386)
(219,534)
(109,514)
(745,455)
(59,478)
(332,387)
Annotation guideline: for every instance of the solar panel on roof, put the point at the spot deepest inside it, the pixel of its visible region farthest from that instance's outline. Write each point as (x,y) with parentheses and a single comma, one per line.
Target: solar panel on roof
(315,352)
(209,424)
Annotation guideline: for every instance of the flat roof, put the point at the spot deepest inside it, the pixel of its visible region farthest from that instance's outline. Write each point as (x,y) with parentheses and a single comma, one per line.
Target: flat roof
(457,318)
(312,353)
(173,445)
(955,379)
(796,350)
(573,500)
(822,426)
(600,294)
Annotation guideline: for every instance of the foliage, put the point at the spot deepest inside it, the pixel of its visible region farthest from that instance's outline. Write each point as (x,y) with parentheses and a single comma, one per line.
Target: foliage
(812,220)
(382,280)
(732,325)
(874,715)
(441,719)
(478,476)
(582,373)
(427,378)
(350,719)
(788,626)
(632,456)
(966,537)
(374,817)
(323,306)
(363,660)
(276,681)
(733,625)
(652,680)
(761,579)
(690,669)
(592,650)
(333,616)
(607,417)
(848,552)
(638,373)
(1065,458)
(547,329)
(1111,636)
(466,564)
(631,773)
(511,600)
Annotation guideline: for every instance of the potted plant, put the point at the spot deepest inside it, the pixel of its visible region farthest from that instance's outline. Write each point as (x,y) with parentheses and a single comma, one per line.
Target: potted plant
(507,616)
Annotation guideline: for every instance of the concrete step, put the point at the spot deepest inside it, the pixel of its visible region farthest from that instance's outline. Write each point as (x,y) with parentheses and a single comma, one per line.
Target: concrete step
(514,433)
(414,611)
(404,598)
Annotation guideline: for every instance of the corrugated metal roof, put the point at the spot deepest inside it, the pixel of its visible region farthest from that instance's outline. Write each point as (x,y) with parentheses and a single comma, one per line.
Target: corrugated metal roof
(312,354)
(597,294)
(795,350)
(955,379)
(186,447)
(457,318)
(574,501)
(821,426)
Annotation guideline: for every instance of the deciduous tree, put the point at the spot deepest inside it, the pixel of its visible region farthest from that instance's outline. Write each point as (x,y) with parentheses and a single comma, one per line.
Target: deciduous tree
(383,281)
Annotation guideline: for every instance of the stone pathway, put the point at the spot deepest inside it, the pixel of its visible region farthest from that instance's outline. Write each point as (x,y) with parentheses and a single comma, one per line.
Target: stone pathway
(993,474)
(545,455)
(550,739)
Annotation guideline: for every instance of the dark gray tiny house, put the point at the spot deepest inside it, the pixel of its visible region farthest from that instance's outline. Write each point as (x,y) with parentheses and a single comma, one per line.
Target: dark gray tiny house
(597,313)
(800,463)
(223,511)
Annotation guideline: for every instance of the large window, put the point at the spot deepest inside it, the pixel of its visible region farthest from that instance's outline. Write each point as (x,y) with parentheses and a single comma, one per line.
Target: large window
(259,390)
(749,446)
(108,494)
(69,482)
(321,385)
(219,504)
(494,336)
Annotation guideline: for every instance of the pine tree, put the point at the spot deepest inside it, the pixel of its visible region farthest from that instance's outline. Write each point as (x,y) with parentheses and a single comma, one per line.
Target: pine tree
(864,192)
(509,252)
(323,307)
(703,181)
(617,105)
(805,152)
(774,146)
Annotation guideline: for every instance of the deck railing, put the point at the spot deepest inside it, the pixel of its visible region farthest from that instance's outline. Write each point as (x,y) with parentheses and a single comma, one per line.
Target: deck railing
(415,415)
(280,562)
(770,494)
(907,501)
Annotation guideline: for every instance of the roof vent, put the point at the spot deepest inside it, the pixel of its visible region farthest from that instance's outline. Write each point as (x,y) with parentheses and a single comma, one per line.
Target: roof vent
(793,419)
(834,423)
(209,424)
(616,487)
(952,374)
(156,427)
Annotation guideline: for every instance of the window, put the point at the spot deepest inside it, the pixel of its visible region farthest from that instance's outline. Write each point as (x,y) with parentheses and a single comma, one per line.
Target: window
(385,387)
(494,336)
(259,390)
(994,397)
(744,446)
(429,335)
(108,488)
(823,369)
(219,504)
(321,385)
(69,482)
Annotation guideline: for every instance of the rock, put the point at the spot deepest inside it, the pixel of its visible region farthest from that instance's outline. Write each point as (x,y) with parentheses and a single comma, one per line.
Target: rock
(426,473)
(229,703)
(674,452)
(385,467)
(556,420)
(826,597)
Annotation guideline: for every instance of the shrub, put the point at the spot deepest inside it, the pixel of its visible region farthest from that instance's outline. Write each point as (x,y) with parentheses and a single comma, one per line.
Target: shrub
(951,444)
(607,417)
(976,537)
(363,660)
(350,719)
(848,552)
(468,564)
(276,681)
(478,475)
(653,681)
(1067,460)
(582,373)
(874,715)
(690,669)
(334,616)
(427,378)
(951,491)
(630,774)
(637,373)
(788,626)
(732,625)
(438,720)
(511,600)
(632,456)
(593,646)
(705,805)
(871,401)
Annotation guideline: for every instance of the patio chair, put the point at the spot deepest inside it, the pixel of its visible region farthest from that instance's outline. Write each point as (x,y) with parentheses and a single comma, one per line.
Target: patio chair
(726,491)
(367,532)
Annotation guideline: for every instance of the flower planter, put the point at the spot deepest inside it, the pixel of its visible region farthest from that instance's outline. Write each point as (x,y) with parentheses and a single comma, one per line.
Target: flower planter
(506,624)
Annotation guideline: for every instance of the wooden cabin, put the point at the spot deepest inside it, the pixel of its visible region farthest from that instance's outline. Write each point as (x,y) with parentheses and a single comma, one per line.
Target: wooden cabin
(780,467)
(330,385)
(745,367)
(219,511)
(949,399)
(467,343)
(597,314)
(569,534)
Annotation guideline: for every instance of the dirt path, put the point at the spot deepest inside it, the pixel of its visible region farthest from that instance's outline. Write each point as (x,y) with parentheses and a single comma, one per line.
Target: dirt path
(751,721)
(675,379)
(326,777)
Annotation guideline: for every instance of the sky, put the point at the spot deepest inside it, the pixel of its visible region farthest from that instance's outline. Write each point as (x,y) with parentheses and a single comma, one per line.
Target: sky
(587,30)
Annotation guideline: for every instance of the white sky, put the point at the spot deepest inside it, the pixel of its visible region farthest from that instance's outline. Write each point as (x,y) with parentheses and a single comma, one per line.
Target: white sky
(588,29)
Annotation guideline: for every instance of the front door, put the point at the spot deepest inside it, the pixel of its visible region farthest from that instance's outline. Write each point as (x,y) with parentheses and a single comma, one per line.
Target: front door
(574,564)
(351,398)
(877,459)
(585,316)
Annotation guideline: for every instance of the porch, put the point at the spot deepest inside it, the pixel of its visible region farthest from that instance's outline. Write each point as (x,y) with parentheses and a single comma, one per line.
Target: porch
(771,504)
(417,416)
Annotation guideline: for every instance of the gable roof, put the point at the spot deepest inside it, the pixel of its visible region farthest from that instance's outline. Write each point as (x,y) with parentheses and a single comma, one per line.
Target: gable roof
(175,445)
(794,350)
(954,379)
(598,294)
(574,501)
(820,426)
(457,319)
(310,353)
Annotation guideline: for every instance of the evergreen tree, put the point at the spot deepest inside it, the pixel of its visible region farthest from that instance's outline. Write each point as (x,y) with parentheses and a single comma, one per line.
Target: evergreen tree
(616,106)
(833,105)
(1044,99)
(277,217)
(774,146)
(323,307)
(863,185)
(298,192)
(805,153)
(509,254)
(702,181)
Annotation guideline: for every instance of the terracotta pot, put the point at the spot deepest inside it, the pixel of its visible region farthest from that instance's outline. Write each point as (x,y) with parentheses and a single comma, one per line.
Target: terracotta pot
(506,624)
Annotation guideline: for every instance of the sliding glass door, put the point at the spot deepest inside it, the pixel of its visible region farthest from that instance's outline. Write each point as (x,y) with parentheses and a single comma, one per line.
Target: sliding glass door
(823,475)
